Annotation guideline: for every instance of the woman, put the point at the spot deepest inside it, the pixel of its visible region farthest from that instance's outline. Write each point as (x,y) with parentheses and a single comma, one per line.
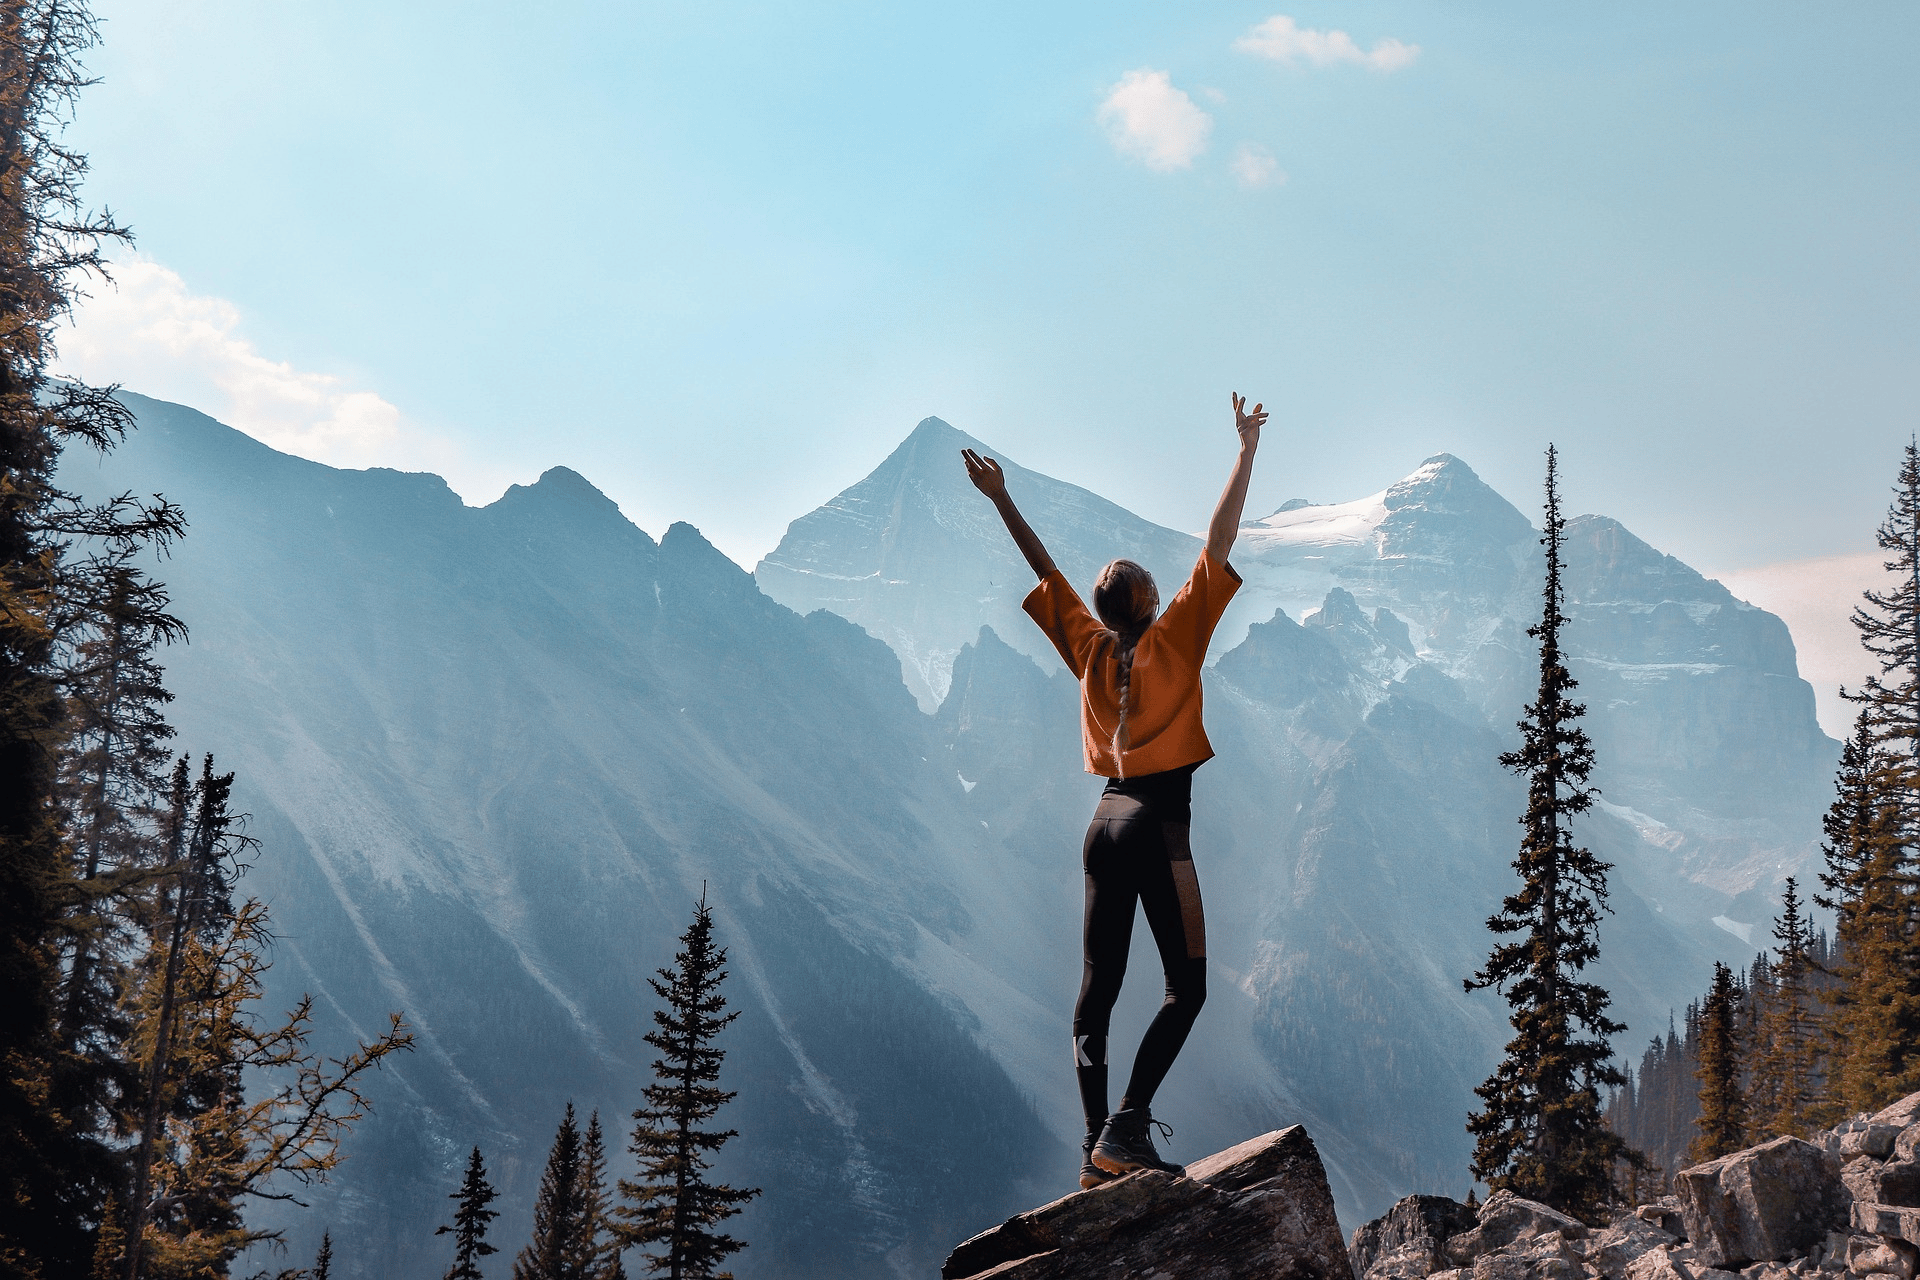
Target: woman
(1140,720)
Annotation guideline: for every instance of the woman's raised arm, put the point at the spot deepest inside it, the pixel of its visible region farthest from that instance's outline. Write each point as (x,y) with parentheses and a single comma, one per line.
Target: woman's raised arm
(1226,517)
(988,479)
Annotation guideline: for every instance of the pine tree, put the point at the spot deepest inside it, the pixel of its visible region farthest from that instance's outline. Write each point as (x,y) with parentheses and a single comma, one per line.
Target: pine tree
(1542,1135)
(561,1215)
(323,1260)
(1723,1108)
(52,1171)
(1782,1060)
(600,1244)
(206,1142)
(671,1207)
(1870,1034)
(470,1219)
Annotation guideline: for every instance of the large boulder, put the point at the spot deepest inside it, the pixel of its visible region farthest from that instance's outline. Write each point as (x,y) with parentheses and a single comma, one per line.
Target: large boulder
(1408,1242)
(1262,1208)
(1764,1204)
(1504,1219)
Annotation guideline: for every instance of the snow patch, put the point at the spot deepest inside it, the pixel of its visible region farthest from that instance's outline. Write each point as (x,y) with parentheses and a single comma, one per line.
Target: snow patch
(1744,932)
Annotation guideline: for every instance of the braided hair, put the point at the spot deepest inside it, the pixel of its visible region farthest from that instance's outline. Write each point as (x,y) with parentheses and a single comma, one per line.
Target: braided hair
(1126,599)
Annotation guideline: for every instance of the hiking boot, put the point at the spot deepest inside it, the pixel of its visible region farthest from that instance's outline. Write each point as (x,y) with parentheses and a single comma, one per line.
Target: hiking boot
(1091,1174)
(1126,1144)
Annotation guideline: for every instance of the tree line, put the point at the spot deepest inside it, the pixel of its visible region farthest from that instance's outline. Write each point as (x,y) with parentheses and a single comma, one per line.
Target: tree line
(1820,1026)
(145,1098)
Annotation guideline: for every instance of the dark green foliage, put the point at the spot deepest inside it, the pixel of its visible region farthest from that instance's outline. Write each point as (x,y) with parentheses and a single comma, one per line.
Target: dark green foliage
(323,1260)
(572,1237)
(1871,1034)
(470,1218)
(54,1175)
(670,1207)
(1542,1134)
(1723,1105)
(1781,1063)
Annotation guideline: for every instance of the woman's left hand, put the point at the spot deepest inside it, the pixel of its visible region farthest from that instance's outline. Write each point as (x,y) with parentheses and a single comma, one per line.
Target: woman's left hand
(1247,423)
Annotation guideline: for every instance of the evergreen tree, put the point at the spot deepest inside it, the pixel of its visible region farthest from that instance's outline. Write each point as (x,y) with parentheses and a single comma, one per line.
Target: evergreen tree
(671,1207)
(470,1218)
(1723,1108)
(563,1225)
(205,1144)
(1870,1035)
(54,1170)
(323,1260)
(1542,1135)
(600,1243)
(1782,1056)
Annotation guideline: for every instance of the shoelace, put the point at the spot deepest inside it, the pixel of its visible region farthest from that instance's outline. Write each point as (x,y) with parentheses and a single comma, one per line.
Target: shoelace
(1166,1130)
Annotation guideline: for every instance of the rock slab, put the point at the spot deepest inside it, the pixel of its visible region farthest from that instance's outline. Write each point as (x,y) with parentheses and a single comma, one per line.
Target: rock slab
(1767,1203)
(1262,1208)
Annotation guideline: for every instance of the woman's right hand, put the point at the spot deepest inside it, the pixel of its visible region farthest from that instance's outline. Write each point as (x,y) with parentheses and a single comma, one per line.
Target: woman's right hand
(985,474)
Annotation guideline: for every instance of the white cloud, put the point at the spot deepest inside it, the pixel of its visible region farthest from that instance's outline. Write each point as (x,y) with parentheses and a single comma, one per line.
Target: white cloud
(1153,122)
(152,334)
(1815,598)
(1283,40)
(1255,166)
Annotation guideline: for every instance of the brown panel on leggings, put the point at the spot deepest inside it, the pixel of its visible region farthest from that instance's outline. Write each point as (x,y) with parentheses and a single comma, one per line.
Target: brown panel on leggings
(1114,805)
(1193,921)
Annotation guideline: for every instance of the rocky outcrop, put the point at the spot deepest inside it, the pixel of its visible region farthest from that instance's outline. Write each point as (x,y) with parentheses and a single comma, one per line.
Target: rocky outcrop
(1262,1208)
(1844,1205)
(1765,1204)
(1410,1241)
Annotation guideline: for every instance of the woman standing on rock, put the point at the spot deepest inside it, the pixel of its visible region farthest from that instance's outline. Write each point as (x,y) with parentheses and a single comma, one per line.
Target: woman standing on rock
(1140,720)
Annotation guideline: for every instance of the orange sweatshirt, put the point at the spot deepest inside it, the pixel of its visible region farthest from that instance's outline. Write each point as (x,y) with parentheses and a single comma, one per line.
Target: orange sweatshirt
(1163,705)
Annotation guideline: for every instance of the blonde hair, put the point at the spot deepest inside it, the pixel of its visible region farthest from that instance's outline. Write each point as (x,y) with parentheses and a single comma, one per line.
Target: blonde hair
(1126,599)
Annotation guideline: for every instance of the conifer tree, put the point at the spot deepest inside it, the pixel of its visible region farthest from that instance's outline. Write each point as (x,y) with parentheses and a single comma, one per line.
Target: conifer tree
(1870,1034)
(600,1243)
(323,1260)
(1542,1134)
(671,1208)
(1872,1031)
(470,1218)
(1723,1108)
(206,1142)
(51,1168)
(1782,1057)
(562,1215)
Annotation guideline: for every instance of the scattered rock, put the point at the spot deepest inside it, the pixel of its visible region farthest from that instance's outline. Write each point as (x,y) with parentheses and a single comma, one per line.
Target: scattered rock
(1867,1256)
(1893,1182)
(1869,1140)
(1665,1214)
(1902,1113)
(1407,1243)
(1767,1203)
(1673,1262)
(1627,1237)
(1505,1218)
(1907,1145)
(1262,1208)
(1889,1221)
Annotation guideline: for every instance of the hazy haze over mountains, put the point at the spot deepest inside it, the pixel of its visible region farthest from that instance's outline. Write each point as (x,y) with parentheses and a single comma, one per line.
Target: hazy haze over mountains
(494,753)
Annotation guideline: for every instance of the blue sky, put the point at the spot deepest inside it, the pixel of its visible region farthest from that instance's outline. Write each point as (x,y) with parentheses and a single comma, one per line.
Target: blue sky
(720,257)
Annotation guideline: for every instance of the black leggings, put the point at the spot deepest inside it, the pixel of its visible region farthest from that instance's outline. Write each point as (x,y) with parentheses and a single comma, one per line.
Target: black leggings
(1131,855)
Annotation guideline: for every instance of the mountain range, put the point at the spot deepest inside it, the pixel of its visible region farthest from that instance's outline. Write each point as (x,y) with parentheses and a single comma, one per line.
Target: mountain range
(495,754)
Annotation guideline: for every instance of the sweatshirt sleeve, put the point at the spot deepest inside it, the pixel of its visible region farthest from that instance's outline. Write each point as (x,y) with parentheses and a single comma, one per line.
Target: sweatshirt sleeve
(1189,621)
(1058,610)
